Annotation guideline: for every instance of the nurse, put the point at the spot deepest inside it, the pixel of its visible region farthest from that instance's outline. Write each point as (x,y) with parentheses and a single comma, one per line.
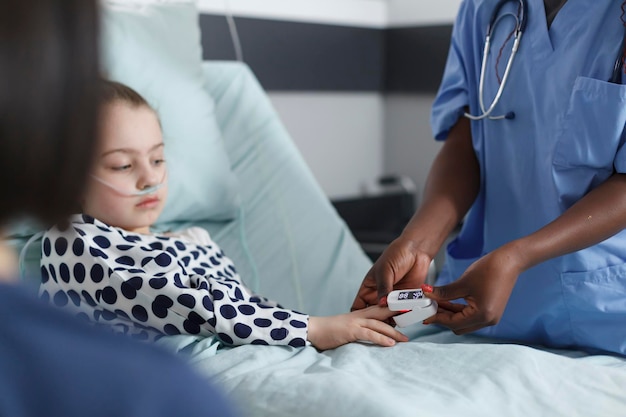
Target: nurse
(541,192)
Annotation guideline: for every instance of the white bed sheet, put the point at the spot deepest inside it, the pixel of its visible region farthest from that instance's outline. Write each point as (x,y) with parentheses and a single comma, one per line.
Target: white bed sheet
(435,374)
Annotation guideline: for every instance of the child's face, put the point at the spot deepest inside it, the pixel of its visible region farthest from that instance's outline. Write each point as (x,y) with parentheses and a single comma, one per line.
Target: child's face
(130,158)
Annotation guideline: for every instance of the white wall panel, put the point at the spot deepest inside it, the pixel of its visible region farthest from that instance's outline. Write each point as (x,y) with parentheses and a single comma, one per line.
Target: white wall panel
(421,12)
(340,136)
(409,144)
(366,13)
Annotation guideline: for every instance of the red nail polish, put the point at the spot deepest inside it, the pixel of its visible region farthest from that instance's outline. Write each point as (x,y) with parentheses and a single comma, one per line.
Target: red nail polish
(427,288)
(383,301)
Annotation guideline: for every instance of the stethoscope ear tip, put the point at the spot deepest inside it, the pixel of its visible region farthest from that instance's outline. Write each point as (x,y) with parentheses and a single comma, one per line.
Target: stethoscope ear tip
(510,115)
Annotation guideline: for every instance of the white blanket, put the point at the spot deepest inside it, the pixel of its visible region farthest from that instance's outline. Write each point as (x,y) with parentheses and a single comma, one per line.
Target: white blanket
(435,374)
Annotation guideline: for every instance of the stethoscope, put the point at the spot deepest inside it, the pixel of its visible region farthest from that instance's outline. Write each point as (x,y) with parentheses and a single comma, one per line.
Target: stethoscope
(521,19)
(616,78)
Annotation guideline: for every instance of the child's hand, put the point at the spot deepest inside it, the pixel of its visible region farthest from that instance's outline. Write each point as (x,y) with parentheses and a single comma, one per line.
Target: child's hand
(366,325)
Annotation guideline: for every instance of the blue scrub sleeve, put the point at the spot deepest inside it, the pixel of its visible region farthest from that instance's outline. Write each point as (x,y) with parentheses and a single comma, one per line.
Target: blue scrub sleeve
(453,96)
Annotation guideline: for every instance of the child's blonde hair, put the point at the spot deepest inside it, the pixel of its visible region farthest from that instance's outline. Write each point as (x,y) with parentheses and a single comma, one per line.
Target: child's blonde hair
(113,91)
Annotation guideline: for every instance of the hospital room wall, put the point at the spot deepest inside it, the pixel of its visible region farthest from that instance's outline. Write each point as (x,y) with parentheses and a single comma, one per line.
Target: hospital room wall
(418,35)
(409,147)
(350,140)
(340,135)
(354,129)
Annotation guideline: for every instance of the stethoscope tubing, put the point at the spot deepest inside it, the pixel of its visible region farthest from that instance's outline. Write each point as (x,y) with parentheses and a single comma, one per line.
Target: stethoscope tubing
(521,21)
(616,76)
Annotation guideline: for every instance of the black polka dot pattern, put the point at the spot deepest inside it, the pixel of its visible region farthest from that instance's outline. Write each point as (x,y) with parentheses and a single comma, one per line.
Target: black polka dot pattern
(150,286)
(79,272)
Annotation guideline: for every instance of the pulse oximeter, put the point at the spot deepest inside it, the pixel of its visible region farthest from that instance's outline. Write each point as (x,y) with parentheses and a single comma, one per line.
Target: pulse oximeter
(416,306)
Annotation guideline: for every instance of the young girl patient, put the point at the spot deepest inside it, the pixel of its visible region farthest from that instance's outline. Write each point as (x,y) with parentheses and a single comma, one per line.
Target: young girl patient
(110,268)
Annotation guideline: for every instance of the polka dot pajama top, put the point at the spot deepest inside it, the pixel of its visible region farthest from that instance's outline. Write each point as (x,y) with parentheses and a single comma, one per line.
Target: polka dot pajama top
(148,286)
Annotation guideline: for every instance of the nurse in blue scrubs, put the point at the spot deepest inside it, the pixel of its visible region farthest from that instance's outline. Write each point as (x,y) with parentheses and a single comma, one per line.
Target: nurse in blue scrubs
(541,192)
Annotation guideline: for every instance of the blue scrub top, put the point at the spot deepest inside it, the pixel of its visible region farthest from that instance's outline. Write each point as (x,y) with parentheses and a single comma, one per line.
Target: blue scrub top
(566,139)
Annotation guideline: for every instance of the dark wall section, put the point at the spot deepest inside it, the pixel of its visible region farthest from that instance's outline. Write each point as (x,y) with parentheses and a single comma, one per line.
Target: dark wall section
(301,56)
(416,57)
(315,57)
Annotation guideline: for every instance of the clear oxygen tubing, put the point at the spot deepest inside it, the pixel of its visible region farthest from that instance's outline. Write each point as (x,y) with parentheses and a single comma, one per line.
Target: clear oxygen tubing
(138,193)
(255,284)
(295,276)
(234,34)
(282,214)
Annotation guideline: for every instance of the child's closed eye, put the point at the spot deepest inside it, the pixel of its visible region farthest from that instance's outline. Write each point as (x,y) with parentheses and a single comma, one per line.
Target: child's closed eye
(121,167)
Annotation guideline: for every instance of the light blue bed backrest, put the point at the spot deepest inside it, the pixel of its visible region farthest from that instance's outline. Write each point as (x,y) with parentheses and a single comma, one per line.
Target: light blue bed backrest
(288,243)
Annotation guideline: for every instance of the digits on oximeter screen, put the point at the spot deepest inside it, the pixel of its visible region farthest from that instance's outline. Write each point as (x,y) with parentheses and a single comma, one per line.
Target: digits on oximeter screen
(410,295)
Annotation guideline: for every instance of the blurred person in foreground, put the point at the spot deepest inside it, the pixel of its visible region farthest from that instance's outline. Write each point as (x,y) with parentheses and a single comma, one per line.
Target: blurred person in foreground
(50,363)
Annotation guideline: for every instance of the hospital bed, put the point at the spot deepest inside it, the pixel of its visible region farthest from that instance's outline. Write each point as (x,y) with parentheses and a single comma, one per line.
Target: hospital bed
(289,244)
(435,374)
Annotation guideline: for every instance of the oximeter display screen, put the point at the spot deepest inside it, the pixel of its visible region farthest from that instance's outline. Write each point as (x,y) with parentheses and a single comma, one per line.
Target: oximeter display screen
(410,295)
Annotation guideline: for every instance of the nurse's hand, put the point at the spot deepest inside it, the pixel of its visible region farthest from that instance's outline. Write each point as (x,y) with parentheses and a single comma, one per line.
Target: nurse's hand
(402,265)
(486,287)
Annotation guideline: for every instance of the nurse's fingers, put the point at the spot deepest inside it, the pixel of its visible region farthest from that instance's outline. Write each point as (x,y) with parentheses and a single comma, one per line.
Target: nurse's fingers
(467,317)
(364,298)
(384,285)
(452,291)
(460,332)
(451,307)
(367,294)
(451,315)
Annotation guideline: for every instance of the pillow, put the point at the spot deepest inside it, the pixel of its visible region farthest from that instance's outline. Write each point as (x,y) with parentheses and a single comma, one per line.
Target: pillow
(289,244)
(154,47)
